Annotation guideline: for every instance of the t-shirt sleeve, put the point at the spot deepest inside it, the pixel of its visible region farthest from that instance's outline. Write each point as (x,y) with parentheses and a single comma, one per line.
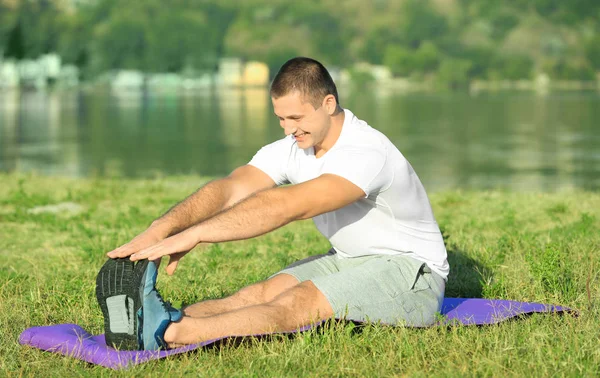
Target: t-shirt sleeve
(272,160)
(363,167)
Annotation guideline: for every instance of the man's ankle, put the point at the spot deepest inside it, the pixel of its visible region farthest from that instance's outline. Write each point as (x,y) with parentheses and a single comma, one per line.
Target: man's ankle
(170,336)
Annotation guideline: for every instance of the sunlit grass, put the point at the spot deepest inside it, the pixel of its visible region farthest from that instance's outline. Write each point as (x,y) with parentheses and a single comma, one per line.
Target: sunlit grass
(521,246)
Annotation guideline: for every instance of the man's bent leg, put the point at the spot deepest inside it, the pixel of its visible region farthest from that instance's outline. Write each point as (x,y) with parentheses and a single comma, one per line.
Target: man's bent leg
(300,305)
(261,292)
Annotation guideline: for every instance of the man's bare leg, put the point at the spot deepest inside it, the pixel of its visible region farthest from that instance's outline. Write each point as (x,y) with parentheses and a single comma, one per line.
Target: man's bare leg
(300,305)
(261,292)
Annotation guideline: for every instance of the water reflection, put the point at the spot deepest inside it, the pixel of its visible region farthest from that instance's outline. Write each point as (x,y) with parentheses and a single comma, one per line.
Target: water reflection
(514,141)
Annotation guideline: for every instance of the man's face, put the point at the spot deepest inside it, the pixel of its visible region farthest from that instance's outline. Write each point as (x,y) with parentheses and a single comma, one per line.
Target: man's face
(308,125)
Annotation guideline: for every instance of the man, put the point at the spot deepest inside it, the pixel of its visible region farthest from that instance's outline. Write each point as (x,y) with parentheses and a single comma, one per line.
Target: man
(387,262)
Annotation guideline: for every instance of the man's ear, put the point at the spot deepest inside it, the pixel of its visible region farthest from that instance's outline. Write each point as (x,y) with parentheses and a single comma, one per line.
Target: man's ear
(330,104)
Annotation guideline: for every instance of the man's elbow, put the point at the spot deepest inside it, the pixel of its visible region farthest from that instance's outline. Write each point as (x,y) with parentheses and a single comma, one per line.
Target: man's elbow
(284,207)
(305,210)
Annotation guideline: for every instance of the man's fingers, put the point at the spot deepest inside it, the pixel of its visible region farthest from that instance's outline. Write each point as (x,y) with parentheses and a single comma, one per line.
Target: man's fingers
(152,253)
(172,266)
(116,252)
(130,248)
(124,250)
(174,262)
(143,254)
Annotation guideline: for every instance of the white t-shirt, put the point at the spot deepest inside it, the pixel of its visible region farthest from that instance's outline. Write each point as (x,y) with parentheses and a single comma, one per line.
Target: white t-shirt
(395,217)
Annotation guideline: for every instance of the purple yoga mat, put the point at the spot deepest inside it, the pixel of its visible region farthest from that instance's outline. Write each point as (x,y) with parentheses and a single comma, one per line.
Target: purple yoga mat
(73,341)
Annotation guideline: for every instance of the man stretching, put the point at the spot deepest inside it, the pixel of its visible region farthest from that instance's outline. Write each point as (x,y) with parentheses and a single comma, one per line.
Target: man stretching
(387,262)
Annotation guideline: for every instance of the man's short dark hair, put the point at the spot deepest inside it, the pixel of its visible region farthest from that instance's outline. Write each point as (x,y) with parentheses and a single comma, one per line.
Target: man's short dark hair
(306,76)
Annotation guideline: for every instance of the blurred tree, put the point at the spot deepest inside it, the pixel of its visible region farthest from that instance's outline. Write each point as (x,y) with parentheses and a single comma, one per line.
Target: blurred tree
(481,59)
(276,57)
(377,42)
(8,21)
(427,57)
(409,36)
(503,22)
(592,52)
(454,73)
(567,70)
(564,12)
(272,31)
(149,37)
(35,29)
(405,62)
(400,60)
(15,45)
(419,22)
(121,41)
(74,42)
(324,30)
(511,67)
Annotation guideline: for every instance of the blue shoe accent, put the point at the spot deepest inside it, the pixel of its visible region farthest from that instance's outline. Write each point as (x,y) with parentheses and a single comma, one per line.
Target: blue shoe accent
(155,315)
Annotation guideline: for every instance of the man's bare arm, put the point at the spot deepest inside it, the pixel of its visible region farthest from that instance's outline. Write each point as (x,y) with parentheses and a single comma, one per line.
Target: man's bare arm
(262,212)
(207,201)
(212,198)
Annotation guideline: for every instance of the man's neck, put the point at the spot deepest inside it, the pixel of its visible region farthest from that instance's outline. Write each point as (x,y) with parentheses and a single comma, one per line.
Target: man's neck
(337,122)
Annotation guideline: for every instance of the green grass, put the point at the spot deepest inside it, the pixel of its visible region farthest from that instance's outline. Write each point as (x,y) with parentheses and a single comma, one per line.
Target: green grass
(521,246)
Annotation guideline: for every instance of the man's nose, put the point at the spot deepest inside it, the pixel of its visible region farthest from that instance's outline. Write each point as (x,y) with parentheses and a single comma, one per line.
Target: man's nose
(287,128)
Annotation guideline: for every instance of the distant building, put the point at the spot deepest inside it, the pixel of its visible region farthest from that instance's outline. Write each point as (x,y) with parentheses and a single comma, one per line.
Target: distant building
(50,64)
(230,72)
(234,73)
(255,74)
(165,82)
(69,76)
(31,74)
(125,80)
(378,72)
(9,74)
(37,73)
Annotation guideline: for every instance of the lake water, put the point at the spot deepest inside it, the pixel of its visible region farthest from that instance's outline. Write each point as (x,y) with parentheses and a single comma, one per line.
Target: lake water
(517,141)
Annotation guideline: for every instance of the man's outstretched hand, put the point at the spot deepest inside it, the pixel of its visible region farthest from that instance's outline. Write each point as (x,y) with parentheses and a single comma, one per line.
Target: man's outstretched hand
(144,240)
(175,247)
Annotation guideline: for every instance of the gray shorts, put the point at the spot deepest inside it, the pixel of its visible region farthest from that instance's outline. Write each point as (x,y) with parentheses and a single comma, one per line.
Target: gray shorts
(391,289)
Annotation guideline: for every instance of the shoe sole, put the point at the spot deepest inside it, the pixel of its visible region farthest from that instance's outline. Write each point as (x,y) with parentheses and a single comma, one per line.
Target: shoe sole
(121,277)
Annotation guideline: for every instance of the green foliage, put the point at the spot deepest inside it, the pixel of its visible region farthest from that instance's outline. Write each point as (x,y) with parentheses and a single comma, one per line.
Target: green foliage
(405,62)
(33,30)
(377,42)
(275,32)
(513,67)
(411,37)
(567,70)
(400,60)
(480,58)
(503,22)
(427,56)
(142,36)
(592,51)
(421,23)
(454,73)
(361,78)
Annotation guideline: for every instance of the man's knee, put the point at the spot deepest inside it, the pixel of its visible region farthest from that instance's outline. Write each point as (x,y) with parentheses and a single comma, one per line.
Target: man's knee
(302,304)
(266,291)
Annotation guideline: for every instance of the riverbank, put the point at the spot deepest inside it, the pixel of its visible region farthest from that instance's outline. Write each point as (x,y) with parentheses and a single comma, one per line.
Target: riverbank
(528,247)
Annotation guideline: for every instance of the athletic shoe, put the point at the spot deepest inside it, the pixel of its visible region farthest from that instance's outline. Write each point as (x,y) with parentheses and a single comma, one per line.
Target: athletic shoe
(113,292)
(155,315)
